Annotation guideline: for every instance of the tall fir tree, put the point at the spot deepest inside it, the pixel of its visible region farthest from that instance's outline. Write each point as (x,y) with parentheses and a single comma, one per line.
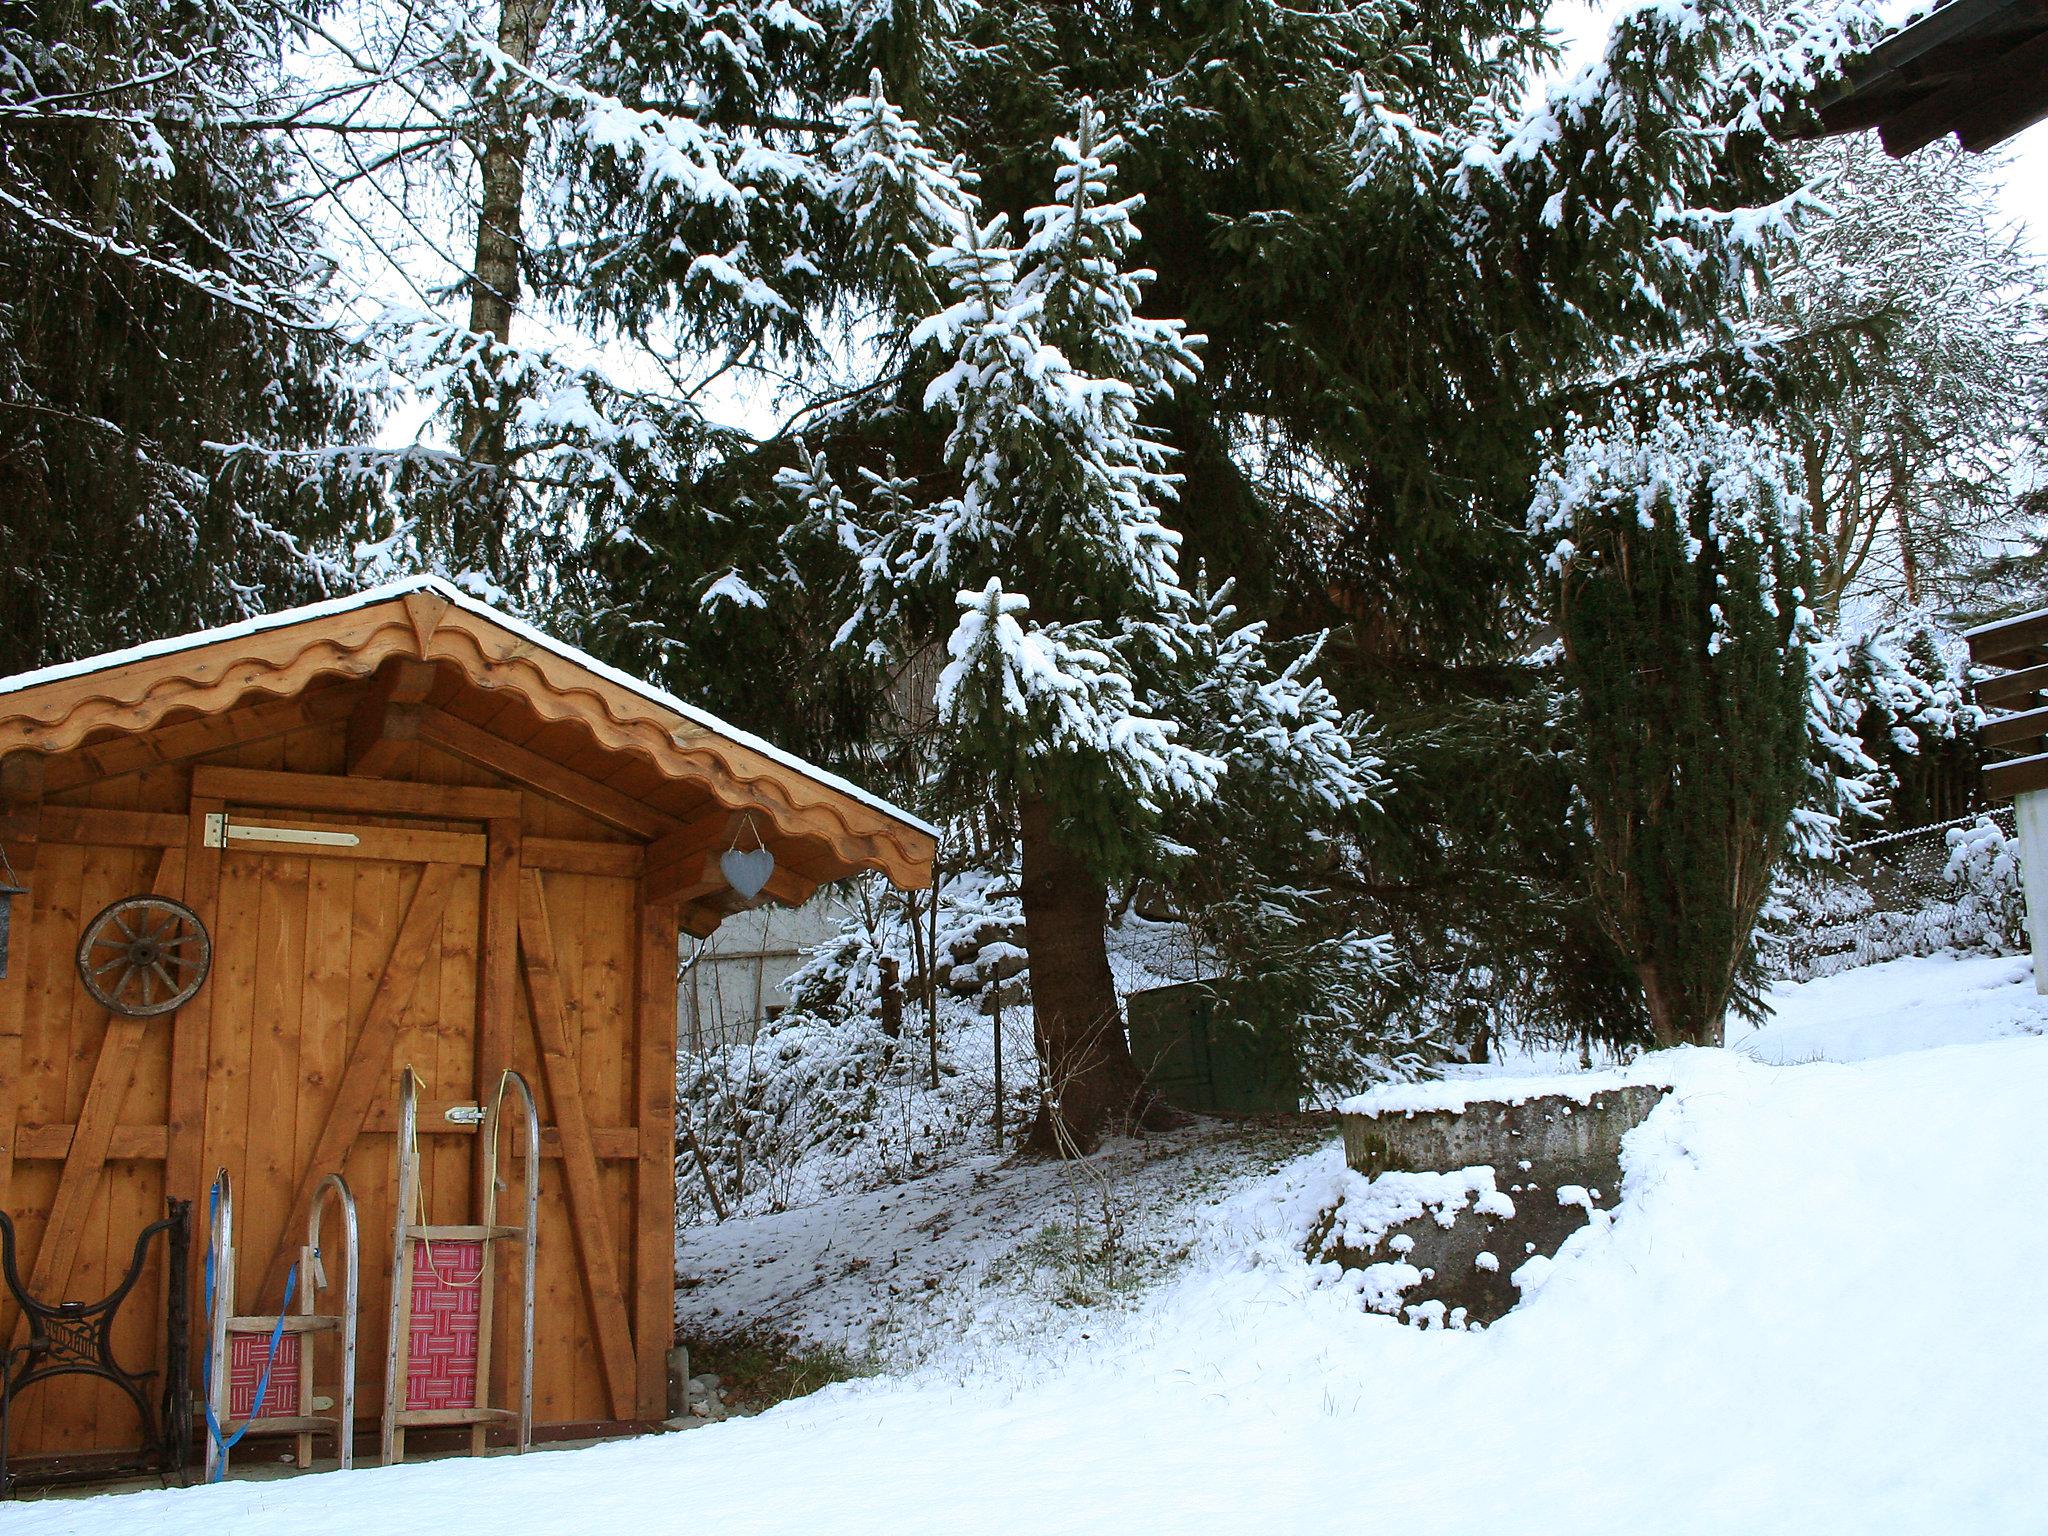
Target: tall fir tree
(1086,687)
(1678,578)
(161,298)
(1401,275)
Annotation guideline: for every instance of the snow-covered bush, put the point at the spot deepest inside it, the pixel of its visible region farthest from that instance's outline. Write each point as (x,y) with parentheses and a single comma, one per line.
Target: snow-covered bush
(1944,889)
(1906,684)
(883,1069)
(1984,870)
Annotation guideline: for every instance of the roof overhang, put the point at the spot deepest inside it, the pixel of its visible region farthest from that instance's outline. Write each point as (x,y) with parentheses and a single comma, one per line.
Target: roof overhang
(66,708)
(1975,68)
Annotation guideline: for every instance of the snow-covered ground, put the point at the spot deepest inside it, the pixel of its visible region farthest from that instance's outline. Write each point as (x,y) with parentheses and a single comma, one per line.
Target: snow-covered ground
(1814,1312)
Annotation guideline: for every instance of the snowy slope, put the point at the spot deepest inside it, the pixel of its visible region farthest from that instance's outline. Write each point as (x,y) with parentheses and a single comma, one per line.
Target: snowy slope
(1901,1005)
(1814,1312)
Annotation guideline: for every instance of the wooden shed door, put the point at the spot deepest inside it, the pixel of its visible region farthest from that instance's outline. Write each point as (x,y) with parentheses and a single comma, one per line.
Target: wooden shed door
(336,964)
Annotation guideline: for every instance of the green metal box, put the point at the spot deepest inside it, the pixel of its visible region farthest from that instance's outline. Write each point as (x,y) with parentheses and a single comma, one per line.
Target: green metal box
(1198,1059)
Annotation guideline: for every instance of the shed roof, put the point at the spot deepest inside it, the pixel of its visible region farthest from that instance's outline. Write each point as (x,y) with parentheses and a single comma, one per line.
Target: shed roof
(499,677)
(1975,68)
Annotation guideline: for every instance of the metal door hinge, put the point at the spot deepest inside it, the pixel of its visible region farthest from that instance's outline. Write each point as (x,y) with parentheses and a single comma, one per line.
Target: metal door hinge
(219,831)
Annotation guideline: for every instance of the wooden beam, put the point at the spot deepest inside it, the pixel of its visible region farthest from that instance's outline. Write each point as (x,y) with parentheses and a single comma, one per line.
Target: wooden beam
(654,1192)
(594,1244)
(617,861)
(112,1076)
(369,1059)
(2004,780)
(792,890)
(2023,729)
(683,867)
(387,845)
(13,1002)
(387,720)
(712,833)
(191,1027)
(369,797)
(477,746)
(1990,102)
(2014,690)
(2020,642)
(498,988)
(97,828)
(195,738)
(130,1143)
(688,882)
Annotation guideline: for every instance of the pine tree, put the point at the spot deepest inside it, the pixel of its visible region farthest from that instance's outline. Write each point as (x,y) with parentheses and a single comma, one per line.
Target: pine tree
(160,300)
(1085,684)
(1678,579)
(1402,278)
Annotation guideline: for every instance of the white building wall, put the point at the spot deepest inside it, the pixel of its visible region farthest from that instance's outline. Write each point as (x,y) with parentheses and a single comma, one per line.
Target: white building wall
(736,980)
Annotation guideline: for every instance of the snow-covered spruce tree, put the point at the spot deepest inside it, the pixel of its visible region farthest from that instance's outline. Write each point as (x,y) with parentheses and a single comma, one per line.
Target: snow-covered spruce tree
(161,292)
(1677,577)
(1086,687)
(1906,686)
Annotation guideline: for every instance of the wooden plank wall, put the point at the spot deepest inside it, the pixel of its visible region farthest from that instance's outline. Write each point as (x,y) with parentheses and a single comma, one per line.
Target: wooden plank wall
(61,1038)
(301,944)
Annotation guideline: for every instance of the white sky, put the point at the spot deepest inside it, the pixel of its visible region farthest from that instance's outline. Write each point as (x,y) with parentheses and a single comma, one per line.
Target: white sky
(2026,182)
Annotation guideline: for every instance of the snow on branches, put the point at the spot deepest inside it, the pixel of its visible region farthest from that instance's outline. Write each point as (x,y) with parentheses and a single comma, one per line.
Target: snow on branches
(1622,173)
(1722,494)
(1077,653)
(1065,690)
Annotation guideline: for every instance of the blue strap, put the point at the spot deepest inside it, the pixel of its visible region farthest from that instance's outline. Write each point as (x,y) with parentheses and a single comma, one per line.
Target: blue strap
(225,1441)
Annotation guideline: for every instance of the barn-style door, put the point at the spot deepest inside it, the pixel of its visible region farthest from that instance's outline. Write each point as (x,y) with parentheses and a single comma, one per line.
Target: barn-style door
(362,927)
(349,920)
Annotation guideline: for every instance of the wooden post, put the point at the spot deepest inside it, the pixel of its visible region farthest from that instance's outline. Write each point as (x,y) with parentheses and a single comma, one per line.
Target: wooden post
(654,1198)
(2030,811)
(13,1004)
(996,998)
(498,996)
(191,1028)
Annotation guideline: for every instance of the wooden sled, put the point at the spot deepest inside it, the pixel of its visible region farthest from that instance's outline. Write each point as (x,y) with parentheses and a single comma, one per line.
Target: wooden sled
(438,1362)
(260,1368)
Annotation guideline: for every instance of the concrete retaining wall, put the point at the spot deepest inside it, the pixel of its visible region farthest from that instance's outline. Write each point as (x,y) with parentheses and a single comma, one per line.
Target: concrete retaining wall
(1457,1261)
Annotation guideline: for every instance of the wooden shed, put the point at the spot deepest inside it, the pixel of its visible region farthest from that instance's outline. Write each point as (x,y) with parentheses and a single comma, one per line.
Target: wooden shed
(418,832)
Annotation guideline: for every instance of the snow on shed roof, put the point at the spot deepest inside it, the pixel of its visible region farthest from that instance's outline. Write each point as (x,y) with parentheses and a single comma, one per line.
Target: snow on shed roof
(456,598)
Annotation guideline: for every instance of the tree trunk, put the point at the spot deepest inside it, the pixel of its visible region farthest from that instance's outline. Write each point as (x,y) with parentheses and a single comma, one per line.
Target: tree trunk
(481,518)
(1672,1022)
(1092,1087)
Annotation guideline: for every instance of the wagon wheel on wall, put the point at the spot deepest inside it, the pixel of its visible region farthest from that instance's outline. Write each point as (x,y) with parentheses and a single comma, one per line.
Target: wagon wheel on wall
(144,955)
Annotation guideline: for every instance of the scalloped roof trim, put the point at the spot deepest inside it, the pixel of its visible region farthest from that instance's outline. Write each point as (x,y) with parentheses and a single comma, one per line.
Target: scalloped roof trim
(456,597)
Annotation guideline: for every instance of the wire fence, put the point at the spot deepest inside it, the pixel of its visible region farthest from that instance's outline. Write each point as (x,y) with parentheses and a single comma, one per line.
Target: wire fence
(1951,885)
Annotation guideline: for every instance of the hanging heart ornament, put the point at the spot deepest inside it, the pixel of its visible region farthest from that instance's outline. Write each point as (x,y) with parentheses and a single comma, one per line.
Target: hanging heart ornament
(747,872)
